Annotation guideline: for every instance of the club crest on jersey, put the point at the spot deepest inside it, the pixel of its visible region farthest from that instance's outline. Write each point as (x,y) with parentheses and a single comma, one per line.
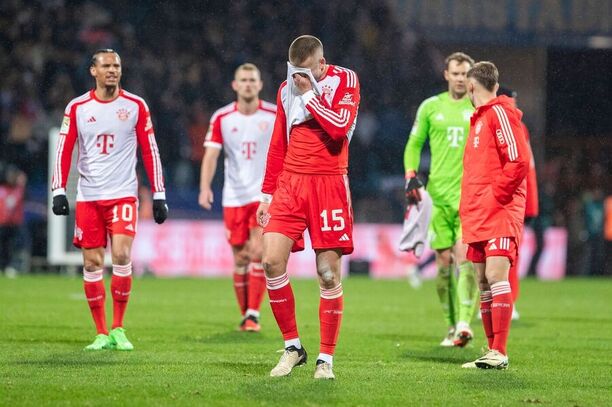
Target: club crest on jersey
(467,114)
(263,126)
(500,136)
(123,114)
(347,99)
(476,141)
(327,93)
(478,127)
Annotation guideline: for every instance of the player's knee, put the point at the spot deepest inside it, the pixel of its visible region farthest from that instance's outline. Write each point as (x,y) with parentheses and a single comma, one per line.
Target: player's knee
(93,265)
(121,257)
(273,266)
(327,277)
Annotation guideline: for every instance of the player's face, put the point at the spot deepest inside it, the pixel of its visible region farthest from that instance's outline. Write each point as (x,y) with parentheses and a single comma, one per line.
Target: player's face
(456,76)
(247,84)
(107,70)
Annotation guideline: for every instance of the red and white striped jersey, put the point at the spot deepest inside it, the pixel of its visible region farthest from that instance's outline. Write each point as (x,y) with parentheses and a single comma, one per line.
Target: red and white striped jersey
(321,128)
(245,140)
(108,133)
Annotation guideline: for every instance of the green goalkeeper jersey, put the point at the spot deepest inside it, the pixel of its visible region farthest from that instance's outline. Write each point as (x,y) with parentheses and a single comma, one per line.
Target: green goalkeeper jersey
(446,122)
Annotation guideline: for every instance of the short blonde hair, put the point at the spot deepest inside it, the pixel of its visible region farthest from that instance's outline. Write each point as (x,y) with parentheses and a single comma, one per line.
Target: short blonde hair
(485,73)
(303,47)
(247,67)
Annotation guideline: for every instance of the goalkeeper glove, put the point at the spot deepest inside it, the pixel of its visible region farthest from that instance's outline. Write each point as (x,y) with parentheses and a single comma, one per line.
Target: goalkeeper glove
(60,205)
(413,183)
(160,210)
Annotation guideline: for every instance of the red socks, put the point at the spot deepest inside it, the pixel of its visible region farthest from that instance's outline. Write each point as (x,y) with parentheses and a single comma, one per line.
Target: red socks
(501,312)
(331,307)
(96,294)
(283,305)
(256,288)
(486,300)
(513,279)
(240,288)
(121,286)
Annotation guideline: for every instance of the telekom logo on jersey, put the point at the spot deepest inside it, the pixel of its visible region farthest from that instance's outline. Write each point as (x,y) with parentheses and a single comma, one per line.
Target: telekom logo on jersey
(248,149)
(105,142)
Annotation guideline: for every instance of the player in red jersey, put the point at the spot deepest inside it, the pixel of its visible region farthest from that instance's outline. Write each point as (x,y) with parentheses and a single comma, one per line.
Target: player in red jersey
(532,208)
(109,124)
(492,208)
(306,187)
(243,129)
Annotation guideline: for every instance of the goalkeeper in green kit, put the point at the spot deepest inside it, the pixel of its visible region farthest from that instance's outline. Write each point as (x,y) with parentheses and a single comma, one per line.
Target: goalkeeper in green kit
(445,120)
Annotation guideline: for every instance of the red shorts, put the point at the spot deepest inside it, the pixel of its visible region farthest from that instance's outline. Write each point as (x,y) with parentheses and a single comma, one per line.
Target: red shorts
(239,221)
(95,220)
(501,246)
(321,203)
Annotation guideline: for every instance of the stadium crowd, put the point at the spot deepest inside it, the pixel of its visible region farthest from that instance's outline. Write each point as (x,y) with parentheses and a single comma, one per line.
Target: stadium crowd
(181,57)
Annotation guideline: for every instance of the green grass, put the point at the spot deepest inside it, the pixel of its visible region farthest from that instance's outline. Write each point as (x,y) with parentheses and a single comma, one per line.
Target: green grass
(188,352)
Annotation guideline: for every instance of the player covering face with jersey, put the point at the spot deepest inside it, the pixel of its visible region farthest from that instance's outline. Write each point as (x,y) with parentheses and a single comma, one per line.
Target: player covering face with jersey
(109,124)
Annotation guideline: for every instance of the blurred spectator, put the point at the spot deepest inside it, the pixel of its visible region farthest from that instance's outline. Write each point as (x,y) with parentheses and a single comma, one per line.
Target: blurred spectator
(12,192)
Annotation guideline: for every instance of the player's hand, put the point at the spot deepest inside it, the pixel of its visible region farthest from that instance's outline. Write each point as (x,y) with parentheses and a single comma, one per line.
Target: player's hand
(302,82)
(160,210)
(206,199)
(60,205)
(413,183)
(262,214)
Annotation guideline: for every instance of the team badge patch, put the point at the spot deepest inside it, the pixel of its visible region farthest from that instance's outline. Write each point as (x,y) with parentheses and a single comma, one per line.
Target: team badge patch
(263,126)
(478,127)
(123,114)
(65,125)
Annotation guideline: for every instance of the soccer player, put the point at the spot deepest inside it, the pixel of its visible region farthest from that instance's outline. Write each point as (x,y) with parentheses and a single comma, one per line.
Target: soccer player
(109,123)
(492,207)
(445,120)
(306,187)
(531,204)
(243,129)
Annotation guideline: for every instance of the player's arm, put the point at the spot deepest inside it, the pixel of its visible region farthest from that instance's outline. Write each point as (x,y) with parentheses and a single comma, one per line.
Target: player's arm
(276,151)
(63,160)
(337,120)
(213,144)
(412,154)
(152,162)
(416,141)
(514,153)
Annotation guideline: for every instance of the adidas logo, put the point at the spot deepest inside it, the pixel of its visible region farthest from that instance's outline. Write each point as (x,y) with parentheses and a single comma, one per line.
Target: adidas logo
(129,227)
(344,238)
(91,120)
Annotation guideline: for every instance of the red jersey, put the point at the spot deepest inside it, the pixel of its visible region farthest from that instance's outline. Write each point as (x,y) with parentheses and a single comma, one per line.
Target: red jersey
(532,207)
(321,128)
(108,133)
(495,164)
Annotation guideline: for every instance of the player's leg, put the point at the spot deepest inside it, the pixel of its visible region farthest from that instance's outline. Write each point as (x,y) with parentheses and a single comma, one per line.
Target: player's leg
(442,241)
(477,257)
(467,294)
(257,279)
(241,279)
(514,280)
(331,306)
(500,254)
(276,250)
(237,236)
(446,289)
(95,293)
(121,219)
(90,236)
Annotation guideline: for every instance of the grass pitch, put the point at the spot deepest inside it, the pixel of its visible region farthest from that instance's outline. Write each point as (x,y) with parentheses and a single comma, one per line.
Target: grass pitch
(187,351)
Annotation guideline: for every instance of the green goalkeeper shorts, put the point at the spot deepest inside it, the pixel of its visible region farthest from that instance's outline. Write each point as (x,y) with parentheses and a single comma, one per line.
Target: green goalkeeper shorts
(445,227)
